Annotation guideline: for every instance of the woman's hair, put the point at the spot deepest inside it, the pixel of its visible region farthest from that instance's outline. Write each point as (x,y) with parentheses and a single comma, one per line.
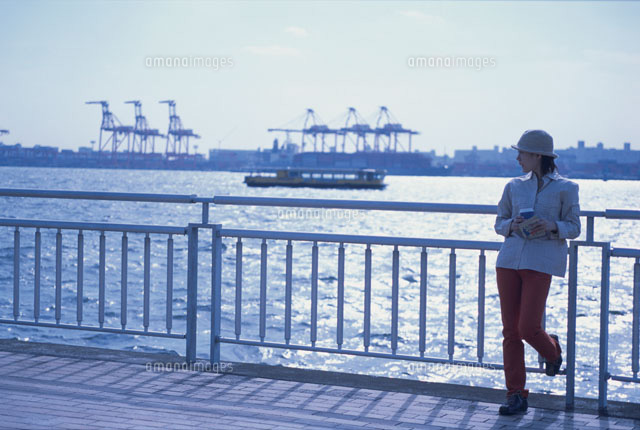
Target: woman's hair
(547,165)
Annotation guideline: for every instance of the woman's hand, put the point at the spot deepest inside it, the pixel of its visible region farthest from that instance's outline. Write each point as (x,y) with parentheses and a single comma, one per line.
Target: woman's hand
(515,224)
(544,225)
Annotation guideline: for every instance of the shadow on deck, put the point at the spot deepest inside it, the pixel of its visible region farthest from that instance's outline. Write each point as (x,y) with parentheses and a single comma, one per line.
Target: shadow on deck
(58,386)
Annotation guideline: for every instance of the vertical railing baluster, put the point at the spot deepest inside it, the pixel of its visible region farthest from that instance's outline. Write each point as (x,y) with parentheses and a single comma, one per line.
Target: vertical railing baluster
(395,281)
(340,315)
(192,293)
(482,268)
(571,325)
(288,291)
(123,280)
(80,278)
(635,331)
(603,372)
(36,282)
(263,289)
(58,276)
(367,297)
(16,274)
(422,323)
(216,292)
(238,316)
(452,304)
(147,281)
(101,279)
(169,310)
(314,294)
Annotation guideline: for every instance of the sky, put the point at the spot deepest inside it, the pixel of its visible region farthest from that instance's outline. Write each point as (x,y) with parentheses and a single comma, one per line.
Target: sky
(571,68)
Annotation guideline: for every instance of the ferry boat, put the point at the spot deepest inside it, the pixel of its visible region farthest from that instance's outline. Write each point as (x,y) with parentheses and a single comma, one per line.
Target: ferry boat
(317,178)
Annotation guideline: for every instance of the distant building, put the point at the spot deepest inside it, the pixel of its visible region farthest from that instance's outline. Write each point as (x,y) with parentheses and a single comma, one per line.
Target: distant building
(576,162)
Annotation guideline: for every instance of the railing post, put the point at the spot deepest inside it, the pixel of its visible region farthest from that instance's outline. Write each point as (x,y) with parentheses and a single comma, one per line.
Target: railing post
(16,274)
(590,229)
(80,278)
(422,323)
(635,328)
(101,279)
(192,292)
(603,374)
(367,298)
(452,305)
(59,277)
(482,270)
(36,284)
(571,326)
(216,293)
(205,213)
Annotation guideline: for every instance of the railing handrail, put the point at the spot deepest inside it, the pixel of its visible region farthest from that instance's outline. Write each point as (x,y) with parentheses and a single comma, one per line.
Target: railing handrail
(403,206)
(104,195)
(625,252)
(621,214)
(91,226)
(398,206)
(362,239)
(356,204)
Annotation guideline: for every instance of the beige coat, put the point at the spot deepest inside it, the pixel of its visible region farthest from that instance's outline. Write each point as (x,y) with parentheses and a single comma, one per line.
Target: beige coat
(556,201)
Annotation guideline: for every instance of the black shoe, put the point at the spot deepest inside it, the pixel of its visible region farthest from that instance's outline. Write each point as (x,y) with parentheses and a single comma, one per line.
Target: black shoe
(516,404)
(553,368)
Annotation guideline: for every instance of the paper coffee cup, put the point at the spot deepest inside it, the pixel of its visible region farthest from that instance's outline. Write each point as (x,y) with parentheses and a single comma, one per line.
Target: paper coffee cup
(526,213)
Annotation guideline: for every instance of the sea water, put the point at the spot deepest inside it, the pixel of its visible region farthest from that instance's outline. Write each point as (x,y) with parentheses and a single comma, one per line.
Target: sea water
(594,195)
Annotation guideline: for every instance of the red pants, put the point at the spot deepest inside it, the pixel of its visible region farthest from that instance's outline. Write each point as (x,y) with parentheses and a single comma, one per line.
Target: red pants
(523,296)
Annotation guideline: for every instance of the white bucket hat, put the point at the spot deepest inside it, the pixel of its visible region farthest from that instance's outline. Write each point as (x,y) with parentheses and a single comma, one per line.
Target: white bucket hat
(536,142)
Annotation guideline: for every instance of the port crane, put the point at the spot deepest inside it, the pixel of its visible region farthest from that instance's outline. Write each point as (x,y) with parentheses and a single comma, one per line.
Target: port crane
(356,130)
(387,131)
(355,125)
(177,136)
(311,129)
(118,133)
(143,136)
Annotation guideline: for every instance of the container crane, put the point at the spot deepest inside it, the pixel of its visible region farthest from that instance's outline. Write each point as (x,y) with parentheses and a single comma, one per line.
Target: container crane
(311,129)
(110,124)
(142,132)
(387,127)
(177,136)
(355,124)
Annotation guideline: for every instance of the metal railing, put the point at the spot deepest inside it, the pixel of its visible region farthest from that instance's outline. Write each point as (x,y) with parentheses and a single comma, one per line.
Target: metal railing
(607,253)
(395,244)
(110,196)
(368,241)
(604,375)
(82,229)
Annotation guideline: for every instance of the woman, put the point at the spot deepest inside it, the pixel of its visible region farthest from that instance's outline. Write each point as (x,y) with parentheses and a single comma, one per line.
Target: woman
(526,262)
